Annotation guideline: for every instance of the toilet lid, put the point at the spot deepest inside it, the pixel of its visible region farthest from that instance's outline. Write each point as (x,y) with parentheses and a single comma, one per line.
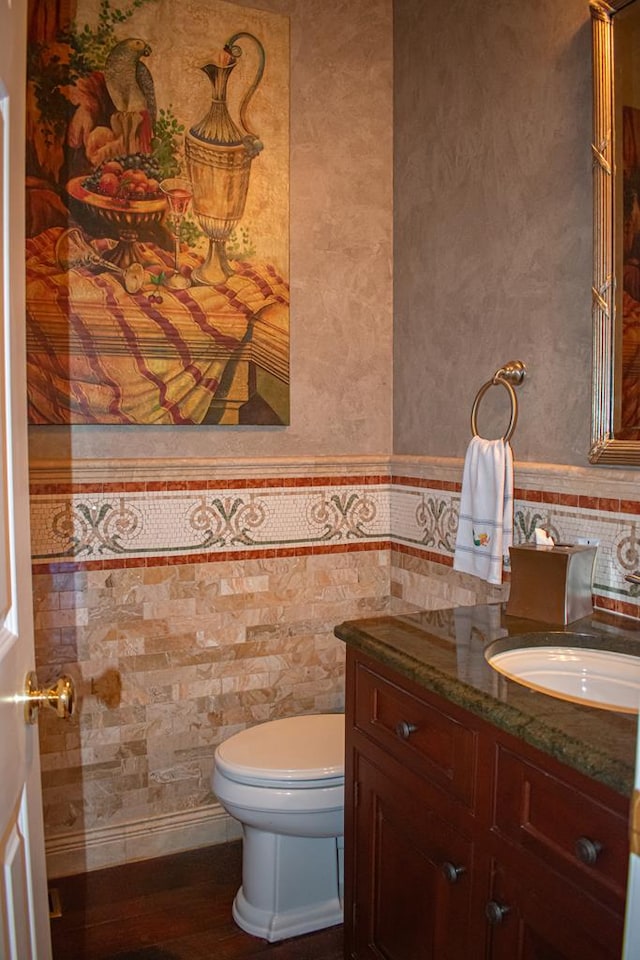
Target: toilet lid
(292,750)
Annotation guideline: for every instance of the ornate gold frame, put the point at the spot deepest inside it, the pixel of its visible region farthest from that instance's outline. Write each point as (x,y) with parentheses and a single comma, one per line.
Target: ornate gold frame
(605,448)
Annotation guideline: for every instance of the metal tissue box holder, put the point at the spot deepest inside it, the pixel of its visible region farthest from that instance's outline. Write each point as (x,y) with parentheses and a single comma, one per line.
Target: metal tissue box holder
(551,584)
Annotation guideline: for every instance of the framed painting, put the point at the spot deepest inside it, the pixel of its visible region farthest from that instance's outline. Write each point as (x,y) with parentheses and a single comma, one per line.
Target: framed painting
(157,217)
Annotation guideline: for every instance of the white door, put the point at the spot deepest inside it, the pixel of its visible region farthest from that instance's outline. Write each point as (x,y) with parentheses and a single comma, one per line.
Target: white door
(24,915)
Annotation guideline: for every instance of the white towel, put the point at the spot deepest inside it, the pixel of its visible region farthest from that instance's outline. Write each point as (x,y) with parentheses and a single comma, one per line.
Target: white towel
(485,525)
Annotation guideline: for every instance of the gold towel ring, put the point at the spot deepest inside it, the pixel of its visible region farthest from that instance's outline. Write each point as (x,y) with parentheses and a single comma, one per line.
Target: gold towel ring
(511,373)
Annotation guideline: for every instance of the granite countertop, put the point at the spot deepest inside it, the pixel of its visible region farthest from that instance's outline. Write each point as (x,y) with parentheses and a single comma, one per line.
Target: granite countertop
(443,651)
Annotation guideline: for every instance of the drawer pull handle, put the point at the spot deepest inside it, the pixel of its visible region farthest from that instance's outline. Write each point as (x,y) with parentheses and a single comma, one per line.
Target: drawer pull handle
(452,873)
(495,912)
(587,851)
(404,729)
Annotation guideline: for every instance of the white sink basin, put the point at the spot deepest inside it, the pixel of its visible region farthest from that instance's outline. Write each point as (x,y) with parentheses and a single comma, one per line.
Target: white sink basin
(602,678)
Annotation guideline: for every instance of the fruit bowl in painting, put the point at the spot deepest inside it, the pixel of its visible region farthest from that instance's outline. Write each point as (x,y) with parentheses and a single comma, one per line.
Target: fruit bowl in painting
(123,217)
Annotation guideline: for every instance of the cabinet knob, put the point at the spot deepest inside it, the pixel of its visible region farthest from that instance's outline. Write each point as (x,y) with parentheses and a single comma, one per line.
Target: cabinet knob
(495,912)
(587,851)
(452,873)
(404,729)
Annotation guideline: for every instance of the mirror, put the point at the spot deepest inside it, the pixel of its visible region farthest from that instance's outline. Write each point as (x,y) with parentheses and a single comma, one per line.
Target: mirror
(615,432)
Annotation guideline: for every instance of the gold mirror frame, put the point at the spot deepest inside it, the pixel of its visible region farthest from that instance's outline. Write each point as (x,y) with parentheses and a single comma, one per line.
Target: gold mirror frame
(605,449)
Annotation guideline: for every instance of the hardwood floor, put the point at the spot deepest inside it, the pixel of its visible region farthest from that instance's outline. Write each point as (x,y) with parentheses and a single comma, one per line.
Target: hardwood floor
(172,908)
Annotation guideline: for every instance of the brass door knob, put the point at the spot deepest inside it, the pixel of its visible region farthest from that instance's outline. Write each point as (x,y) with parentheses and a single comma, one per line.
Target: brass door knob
(61,697)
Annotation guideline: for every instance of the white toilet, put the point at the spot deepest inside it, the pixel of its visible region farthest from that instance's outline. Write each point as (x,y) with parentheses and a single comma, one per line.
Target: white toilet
(284,781)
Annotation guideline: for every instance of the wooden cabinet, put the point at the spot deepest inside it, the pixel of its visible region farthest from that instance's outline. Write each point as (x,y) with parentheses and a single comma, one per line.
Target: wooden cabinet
(411,871)
(463,842)
(551,920)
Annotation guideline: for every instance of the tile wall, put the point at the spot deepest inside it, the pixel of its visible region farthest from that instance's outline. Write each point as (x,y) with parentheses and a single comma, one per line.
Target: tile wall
(190,601)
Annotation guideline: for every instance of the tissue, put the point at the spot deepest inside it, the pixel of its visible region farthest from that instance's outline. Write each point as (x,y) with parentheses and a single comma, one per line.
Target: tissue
(542,538)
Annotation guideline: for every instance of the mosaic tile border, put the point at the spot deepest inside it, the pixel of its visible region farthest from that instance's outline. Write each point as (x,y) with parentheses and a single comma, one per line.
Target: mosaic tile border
(150,522)
(125,523)
(424,518)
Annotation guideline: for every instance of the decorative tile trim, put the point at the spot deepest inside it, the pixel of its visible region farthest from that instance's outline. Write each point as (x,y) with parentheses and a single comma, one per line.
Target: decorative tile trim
(217,470)
(557,478)
(550,477)
(123,563)
(432,484)
(168,486)
(131,517)
(82,526)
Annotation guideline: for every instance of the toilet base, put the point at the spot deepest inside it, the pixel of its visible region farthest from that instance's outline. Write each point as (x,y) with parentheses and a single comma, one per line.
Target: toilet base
(290,885)
(290,923)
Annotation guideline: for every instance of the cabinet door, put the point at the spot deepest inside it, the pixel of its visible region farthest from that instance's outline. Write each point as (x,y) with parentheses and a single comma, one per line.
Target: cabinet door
(556,923)
(412,872)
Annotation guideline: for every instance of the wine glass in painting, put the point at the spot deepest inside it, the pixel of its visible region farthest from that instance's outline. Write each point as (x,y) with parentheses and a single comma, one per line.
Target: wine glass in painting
(178,193)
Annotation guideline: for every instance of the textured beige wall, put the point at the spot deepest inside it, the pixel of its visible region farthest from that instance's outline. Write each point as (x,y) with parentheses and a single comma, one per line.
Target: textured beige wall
(492,257)
(341,238)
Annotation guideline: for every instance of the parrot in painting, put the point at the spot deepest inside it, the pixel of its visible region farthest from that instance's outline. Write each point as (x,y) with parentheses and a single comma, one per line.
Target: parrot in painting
(131,88)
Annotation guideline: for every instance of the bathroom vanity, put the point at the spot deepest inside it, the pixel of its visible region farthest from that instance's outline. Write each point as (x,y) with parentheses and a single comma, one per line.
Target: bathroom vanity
(482,819)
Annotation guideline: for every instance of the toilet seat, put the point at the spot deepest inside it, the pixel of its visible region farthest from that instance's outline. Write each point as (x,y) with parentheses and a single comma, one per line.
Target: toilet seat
(295,753)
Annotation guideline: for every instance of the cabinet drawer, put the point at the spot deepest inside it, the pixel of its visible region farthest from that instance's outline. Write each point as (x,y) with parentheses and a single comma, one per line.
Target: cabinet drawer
(571,831)
(423,738)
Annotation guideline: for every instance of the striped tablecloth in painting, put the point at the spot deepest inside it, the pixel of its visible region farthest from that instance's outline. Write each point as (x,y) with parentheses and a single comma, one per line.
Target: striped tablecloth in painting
(97,354)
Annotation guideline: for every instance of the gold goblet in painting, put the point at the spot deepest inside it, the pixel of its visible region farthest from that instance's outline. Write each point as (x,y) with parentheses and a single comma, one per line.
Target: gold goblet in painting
(178,192)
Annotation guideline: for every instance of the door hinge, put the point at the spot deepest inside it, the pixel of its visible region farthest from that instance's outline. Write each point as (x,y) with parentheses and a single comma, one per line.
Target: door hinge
(55,904)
